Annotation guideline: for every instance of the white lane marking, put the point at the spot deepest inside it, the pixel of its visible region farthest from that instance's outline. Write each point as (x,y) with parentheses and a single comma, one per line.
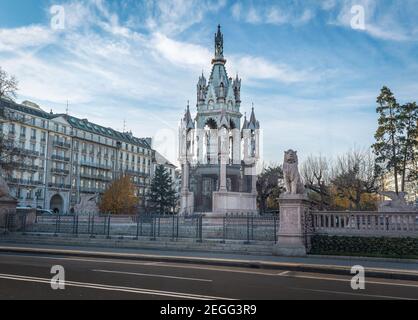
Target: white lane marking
(159,264)
(182,266)
(354,294)
(114,288)
(282,274)
(153,275)
(348,280)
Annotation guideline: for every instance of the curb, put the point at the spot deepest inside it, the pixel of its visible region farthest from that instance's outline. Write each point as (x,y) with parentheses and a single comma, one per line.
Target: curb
(297,267)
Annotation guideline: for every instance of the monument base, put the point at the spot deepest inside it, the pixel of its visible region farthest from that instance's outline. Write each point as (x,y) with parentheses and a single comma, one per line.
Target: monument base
(6,207)
(224,202)
(292,234)
(187,203)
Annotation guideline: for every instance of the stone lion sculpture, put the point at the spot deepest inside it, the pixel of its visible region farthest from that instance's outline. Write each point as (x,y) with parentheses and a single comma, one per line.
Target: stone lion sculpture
(292,179)
(396,204)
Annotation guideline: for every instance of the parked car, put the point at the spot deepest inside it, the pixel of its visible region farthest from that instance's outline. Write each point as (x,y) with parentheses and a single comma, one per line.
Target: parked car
(41,212)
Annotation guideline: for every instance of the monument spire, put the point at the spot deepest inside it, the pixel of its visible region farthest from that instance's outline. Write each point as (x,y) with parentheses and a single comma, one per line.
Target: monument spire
(219,47)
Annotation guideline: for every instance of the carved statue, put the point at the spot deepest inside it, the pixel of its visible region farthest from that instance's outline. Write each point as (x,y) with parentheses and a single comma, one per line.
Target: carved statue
(88,203)
(292,178)
(5,194)
(396,204)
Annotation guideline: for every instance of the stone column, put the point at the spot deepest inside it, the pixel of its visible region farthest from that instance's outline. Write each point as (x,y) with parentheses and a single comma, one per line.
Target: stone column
(222,178)
(292,237)
(224,155)
(254,180)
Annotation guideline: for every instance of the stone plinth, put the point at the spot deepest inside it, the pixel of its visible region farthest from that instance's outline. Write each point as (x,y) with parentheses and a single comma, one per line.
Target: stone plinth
(291,233)
(6,207)
(187,203)
(234,202)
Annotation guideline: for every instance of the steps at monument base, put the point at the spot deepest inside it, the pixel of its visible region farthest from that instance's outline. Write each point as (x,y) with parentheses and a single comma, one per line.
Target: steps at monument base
(230,246)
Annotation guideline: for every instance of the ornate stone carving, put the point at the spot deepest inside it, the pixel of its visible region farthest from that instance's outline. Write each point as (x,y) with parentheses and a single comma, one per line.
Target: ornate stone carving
(396,204)
(88,204)
(292,178)
(5,194)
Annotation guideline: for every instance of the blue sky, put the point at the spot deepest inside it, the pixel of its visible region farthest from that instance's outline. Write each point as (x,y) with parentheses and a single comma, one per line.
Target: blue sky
(312,78)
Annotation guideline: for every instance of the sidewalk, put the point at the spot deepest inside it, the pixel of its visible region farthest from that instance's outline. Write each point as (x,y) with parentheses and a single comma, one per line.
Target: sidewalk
(380,268)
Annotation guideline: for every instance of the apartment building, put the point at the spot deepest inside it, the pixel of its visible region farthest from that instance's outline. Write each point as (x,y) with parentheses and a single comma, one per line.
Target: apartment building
(63,158)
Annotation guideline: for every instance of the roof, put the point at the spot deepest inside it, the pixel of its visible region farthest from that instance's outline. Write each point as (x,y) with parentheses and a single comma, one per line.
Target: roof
(76,123)
(159,159)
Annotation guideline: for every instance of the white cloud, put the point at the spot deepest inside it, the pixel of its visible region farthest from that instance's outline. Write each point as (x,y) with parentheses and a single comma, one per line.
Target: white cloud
(25,37)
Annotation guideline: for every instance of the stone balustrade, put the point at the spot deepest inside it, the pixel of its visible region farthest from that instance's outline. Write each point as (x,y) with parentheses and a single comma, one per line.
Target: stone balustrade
(396,224)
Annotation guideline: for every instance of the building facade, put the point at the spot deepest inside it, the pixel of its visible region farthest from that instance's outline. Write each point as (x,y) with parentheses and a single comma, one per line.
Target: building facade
(63,160)
(219,152)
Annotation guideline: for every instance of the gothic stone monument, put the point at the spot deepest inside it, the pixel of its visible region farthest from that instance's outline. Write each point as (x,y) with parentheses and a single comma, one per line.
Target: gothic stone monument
(218,152)
(294,205)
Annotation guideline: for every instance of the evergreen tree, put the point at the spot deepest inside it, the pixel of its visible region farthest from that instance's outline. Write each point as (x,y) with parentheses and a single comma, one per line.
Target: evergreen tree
(396,139)
(409,142)
(162,196)
(388,135)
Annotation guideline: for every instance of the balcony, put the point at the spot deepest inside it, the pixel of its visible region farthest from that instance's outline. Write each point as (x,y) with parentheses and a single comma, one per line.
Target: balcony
(60,158)
(24,182)
(60,144)
(28,153)
(95,165)
(27,167)
(91,190)
(60,171)
(59,186)
(96,177)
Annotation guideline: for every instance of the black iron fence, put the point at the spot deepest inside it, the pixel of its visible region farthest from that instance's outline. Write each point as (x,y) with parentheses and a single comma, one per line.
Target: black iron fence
(154,227)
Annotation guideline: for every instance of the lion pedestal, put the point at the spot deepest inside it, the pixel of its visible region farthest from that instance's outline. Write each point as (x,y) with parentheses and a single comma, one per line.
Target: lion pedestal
(292,239)
(294,205)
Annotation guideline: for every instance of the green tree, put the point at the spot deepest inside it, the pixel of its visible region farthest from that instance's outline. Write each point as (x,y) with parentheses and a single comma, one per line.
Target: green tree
(388,136)
(268,186)
(162,196)
(396,139)
(409,142)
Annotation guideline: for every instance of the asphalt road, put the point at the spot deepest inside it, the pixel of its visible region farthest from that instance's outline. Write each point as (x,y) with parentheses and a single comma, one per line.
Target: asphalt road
(25,276)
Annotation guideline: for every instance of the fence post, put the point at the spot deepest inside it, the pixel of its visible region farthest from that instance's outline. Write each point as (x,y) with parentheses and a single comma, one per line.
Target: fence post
(248,230)
(153,226)
(199,229)
(109,220)
(24,224)
(172,230)
(137,226)
(56,225)
(224,229)
(275,228)
(76,217)
(92,227)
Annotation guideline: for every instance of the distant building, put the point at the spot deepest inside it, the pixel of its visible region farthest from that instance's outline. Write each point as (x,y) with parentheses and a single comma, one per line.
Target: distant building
(66,158)
(157,160)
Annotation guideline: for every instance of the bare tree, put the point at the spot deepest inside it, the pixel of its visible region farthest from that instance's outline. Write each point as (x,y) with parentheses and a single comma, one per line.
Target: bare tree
(354,176)
(8,85)
(316,172)
(8,150)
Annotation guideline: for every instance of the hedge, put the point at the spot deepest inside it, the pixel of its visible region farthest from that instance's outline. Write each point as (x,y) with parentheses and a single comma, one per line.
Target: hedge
(403,248)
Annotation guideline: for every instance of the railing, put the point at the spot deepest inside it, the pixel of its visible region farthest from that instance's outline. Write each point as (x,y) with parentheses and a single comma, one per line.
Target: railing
(248,229)
(395,224)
